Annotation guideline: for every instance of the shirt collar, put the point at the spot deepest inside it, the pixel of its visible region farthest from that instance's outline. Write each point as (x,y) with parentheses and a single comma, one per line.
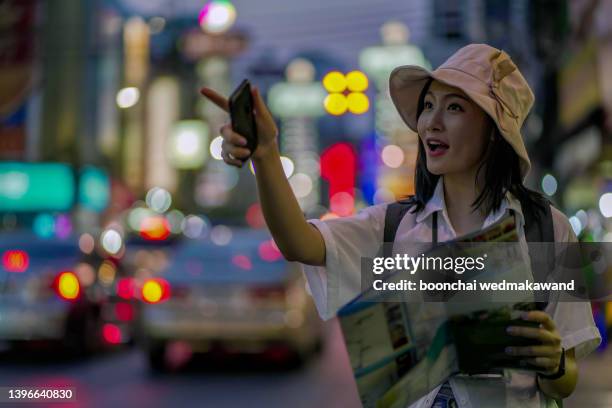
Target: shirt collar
(437,203)
(512,203)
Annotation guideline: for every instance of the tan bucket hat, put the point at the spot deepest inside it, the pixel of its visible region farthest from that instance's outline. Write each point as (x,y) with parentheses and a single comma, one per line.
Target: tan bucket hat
(487,75)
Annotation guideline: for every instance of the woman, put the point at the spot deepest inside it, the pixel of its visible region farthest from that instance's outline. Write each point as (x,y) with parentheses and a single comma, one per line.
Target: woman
(470,170)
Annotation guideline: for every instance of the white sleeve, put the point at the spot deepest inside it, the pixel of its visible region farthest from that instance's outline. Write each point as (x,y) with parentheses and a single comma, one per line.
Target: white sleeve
(574,320)
(347,240)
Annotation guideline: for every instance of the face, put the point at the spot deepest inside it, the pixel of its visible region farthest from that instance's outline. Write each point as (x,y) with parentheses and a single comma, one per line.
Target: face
(454,131)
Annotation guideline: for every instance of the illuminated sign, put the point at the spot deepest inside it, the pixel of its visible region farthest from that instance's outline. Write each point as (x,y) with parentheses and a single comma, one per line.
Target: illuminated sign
(346,93)
(94,189)
(36,187)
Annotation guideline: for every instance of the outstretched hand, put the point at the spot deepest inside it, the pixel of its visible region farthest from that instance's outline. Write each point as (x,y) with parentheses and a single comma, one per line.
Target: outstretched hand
(233,150)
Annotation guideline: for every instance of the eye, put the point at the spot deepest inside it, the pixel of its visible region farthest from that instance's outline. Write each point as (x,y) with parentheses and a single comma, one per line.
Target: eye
(427,105)
(455,107)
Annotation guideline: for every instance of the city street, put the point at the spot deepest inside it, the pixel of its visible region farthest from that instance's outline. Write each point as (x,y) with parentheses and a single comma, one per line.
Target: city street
(123,379)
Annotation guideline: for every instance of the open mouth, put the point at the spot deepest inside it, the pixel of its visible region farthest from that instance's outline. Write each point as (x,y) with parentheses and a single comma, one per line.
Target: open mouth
(437,146)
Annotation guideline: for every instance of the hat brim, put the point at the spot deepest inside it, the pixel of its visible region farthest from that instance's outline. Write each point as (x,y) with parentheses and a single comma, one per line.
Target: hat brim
(406,84)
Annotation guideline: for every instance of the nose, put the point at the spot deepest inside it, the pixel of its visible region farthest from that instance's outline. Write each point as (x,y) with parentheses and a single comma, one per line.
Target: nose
(434,121)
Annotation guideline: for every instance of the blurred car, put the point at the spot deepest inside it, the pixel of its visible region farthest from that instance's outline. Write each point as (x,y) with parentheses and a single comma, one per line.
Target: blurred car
(240,298)
(53,293)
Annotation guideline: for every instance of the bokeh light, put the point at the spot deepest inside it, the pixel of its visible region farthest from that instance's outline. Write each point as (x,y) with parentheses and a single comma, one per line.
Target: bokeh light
(335,104)
(268,251)
(583,217)
(152,291)
(137,215)
(288,166)
(111,333)
(576,225)
(187,144)
(392,156)
(216,148)
(254,216)
(358,103)
(221,235)
(605,205)
(356,81)
(85,274)
(94,189)
(300,70)
(44,225)
(242,262)
(194,226)
(334,82)
(125,288)
(217,16)
(128,97)
(15,260)
(301,184)
(63,226)
(342,203)
(155,228)
(68,285)
(111,241)
(175,220)
(157,25)
(155,290)
(159,200)
(86,243)
(549,184)
(107,272)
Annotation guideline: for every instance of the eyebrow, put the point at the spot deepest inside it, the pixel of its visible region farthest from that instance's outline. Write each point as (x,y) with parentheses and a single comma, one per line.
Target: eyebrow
(450,95)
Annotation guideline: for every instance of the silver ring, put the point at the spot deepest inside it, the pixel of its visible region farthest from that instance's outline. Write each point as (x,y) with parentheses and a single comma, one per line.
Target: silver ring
(231,156)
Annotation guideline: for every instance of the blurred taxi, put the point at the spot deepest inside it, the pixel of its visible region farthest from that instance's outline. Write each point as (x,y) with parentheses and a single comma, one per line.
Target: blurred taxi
(238,298)
(51,292)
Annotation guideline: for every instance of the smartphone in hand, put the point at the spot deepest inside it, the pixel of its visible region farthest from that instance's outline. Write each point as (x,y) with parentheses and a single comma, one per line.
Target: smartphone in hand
(241,114)
(481,339)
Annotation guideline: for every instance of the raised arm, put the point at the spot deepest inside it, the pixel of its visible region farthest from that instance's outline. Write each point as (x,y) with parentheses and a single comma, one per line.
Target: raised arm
(297,240)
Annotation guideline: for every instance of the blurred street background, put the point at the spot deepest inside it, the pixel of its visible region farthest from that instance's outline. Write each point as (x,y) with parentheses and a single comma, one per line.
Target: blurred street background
(135,265)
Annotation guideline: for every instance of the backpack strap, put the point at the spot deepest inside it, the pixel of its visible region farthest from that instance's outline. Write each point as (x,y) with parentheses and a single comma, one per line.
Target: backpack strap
(393,216)
(541,230)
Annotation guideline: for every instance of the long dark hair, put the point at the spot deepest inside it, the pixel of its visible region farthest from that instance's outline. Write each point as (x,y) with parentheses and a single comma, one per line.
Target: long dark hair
(502,173)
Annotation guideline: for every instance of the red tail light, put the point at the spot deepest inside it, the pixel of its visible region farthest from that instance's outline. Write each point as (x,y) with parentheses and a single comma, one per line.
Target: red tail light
(67,286)
(125,288)
(155,228)
(111,333)
(15,261)
(155,290)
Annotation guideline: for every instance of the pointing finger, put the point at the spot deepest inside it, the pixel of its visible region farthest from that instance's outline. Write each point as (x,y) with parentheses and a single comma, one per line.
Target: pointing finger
(215,98)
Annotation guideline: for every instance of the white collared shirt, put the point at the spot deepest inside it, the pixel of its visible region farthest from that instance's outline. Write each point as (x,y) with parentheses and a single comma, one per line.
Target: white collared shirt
(349,239)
